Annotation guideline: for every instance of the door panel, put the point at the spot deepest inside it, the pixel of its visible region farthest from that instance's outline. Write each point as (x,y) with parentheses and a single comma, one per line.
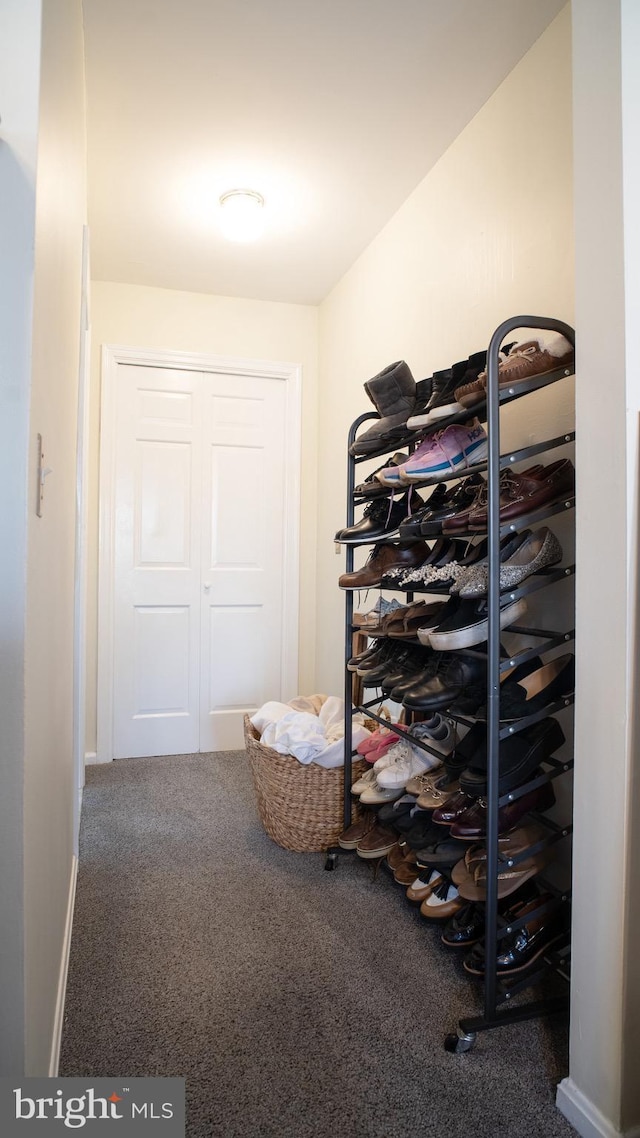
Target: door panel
(235,541)
(199,539)
(161,661)
(237,676)
(157,563)
(243,540)
(163,499)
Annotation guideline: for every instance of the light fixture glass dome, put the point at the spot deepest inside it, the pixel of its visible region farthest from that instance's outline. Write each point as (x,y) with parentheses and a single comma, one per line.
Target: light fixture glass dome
(241,215)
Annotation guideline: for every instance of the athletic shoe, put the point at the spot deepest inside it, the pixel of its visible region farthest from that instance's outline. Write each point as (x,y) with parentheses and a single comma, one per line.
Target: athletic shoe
(457,447)
(406,766)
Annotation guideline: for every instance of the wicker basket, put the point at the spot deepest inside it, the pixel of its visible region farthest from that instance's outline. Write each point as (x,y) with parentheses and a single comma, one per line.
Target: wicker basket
(300,807)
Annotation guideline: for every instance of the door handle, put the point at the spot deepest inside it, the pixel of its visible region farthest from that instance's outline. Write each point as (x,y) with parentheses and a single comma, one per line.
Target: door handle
(207,586)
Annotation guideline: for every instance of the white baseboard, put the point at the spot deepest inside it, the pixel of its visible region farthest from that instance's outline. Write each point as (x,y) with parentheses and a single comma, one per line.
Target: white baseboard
(77,820)
(62,978)
(585,1116)
(91,758)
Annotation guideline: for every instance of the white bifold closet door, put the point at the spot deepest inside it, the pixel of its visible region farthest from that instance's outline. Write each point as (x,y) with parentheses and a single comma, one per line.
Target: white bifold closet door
(199,532)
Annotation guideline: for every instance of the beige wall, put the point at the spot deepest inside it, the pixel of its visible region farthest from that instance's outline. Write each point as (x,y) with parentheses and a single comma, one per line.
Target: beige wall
(602,1093)
(49,775)
(486,235)
(19,84)
(142,317)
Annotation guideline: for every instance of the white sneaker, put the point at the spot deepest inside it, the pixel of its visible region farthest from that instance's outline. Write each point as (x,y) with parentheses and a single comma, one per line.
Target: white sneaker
(376,793)
(397,776)
(395,752)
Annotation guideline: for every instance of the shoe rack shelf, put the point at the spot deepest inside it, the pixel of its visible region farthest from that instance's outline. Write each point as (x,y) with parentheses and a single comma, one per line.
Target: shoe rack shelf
(506,460)
(498,990)
(479,410)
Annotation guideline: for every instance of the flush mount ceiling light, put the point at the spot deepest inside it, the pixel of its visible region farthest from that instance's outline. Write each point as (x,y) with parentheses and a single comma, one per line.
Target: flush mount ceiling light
(241,216)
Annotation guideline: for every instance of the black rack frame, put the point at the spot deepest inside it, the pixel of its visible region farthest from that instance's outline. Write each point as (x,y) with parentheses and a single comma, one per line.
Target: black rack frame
(496,990)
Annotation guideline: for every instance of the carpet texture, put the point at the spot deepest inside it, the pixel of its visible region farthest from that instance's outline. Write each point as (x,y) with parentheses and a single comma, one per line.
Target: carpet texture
(296,1003)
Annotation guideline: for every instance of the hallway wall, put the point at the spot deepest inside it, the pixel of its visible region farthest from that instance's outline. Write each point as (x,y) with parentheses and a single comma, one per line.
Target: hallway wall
(20,22)
(138,316)
(486,235)
(48,771)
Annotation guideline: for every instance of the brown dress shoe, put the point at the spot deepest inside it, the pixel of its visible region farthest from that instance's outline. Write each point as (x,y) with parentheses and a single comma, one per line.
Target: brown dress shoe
(422,887)
(442,902)
(472,824)
(522,493)
(462,522)
(381,559)
(377,842)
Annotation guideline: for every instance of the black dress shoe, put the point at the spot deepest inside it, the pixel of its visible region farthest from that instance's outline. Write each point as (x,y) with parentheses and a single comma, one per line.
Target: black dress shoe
(401,657)
(453,673)
(411,526)
(524,947)
(370,653)
(458,498)
(384,653)
(414,664)
(519,756)
(466,927)
(391,660)
(429,666)
(535,690)
(473,699)
(380,519)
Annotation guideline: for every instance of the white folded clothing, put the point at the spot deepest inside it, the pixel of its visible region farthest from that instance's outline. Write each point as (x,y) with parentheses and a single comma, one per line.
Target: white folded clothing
(270,712)
(309,738)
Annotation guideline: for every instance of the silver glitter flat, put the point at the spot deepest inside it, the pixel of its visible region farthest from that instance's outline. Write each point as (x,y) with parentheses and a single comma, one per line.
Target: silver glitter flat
(540,550)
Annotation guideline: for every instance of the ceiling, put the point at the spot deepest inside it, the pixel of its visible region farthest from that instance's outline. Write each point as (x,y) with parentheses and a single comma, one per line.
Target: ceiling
(334,110)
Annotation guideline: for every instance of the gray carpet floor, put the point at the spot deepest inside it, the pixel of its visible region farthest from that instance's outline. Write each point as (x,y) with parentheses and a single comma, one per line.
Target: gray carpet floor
(296,1003)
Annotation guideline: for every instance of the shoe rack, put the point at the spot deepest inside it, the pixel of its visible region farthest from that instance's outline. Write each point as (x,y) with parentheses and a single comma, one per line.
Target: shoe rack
(497,991)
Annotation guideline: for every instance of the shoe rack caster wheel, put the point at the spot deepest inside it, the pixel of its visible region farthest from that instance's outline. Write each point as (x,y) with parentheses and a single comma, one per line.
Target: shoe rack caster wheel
(331,860)
(458,1042)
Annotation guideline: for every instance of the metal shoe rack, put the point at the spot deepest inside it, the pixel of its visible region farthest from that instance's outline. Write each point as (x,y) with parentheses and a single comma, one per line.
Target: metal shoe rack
(497,993)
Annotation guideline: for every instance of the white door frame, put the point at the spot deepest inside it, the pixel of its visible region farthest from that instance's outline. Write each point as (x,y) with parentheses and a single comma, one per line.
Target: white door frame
(291,375)
(80,573)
